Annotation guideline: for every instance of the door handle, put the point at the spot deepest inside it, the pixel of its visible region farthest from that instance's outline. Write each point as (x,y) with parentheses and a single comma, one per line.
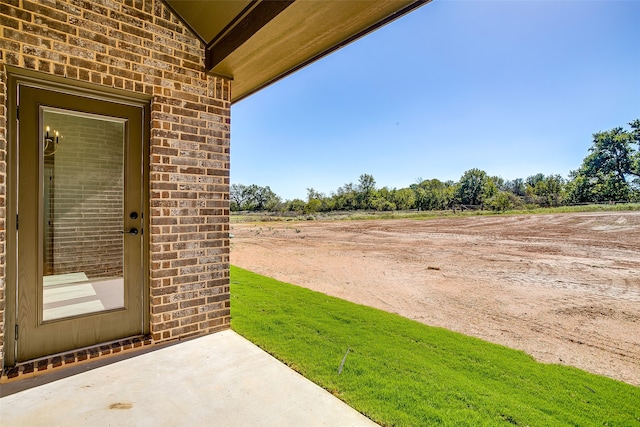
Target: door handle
(133,231)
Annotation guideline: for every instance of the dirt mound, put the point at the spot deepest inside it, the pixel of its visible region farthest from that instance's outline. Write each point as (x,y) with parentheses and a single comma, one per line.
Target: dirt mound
(565,288)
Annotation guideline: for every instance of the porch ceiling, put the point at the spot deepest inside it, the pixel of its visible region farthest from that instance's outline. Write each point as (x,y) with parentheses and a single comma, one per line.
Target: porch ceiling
(256,42)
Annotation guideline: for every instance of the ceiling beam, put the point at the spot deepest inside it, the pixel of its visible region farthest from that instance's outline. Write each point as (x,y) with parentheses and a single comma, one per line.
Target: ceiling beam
(255,16)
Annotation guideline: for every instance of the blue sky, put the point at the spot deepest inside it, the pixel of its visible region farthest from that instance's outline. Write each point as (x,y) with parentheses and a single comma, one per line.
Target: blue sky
(511,87)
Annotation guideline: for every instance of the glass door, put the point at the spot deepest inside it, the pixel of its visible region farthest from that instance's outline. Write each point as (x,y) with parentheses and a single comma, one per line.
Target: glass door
(83,212)
(80,222)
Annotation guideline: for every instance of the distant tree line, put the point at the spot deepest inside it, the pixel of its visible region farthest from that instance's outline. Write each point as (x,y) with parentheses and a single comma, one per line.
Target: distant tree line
(609,173)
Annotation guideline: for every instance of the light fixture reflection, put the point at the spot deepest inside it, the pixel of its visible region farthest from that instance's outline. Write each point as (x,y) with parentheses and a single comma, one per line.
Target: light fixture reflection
(51,141)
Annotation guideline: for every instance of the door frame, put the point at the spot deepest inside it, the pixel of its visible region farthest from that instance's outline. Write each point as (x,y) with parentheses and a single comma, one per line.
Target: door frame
(19,77)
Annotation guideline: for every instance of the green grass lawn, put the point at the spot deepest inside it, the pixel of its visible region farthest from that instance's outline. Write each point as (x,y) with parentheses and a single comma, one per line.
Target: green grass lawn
(401,372)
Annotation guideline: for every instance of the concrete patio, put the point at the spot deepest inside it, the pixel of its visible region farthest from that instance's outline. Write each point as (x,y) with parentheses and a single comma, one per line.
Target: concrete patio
(215,380)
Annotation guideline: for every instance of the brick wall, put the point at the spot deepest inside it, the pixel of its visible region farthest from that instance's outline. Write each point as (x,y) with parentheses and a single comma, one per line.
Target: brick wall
(83,197)
(139,46)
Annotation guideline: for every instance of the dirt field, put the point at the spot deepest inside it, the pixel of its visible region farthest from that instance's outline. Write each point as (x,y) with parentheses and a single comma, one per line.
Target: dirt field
(564,288)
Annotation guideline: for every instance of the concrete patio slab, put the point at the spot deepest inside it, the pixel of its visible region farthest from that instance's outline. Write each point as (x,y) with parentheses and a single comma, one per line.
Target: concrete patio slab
(215,380)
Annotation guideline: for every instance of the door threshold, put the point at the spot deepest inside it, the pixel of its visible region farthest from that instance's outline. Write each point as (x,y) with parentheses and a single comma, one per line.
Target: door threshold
(59,361)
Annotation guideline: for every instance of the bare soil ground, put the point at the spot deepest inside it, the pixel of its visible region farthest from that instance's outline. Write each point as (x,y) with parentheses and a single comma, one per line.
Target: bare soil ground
(565,288)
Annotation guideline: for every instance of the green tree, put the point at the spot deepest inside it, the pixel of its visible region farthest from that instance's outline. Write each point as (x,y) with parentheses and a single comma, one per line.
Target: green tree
(313,194)
(253,198)
(366,191)
(295,205)
(611,170)
(382,200)
(635,156)
(504,201)
(545,190)
(345,198)
(532,180)
(517,187)
(237,197)
(579,188)
(433,194)
(499,182)
(314,201)
(550,190)
(312,206)
(475,187)
(404,199)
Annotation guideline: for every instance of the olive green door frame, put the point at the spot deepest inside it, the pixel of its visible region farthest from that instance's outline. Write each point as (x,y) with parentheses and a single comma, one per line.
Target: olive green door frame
(32,333)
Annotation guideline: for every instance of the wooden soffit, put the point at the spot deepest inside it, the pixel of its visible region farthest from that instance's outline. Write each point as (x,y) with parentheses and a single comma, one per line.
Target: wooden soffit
(257,42)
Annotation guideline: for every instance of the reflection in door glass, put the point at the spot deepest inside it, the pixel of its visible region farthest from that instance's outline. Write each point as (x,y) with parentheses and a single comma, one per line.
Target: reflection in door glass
(83,208)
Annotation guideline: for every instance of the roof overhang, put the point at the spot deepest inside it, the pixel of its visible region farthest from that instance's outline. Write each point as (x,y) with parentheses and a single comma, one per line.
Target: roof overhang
(257,42)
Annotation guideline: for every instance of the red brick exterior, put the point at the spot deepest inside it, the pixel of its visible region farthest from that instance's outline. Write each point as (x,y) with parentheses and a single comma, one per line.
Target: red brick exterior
(139,46)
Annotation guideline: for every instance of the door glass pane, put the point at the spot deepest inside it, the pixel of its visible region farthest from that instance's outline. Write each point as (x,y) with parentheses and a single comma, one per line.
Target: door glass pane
(83,212)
